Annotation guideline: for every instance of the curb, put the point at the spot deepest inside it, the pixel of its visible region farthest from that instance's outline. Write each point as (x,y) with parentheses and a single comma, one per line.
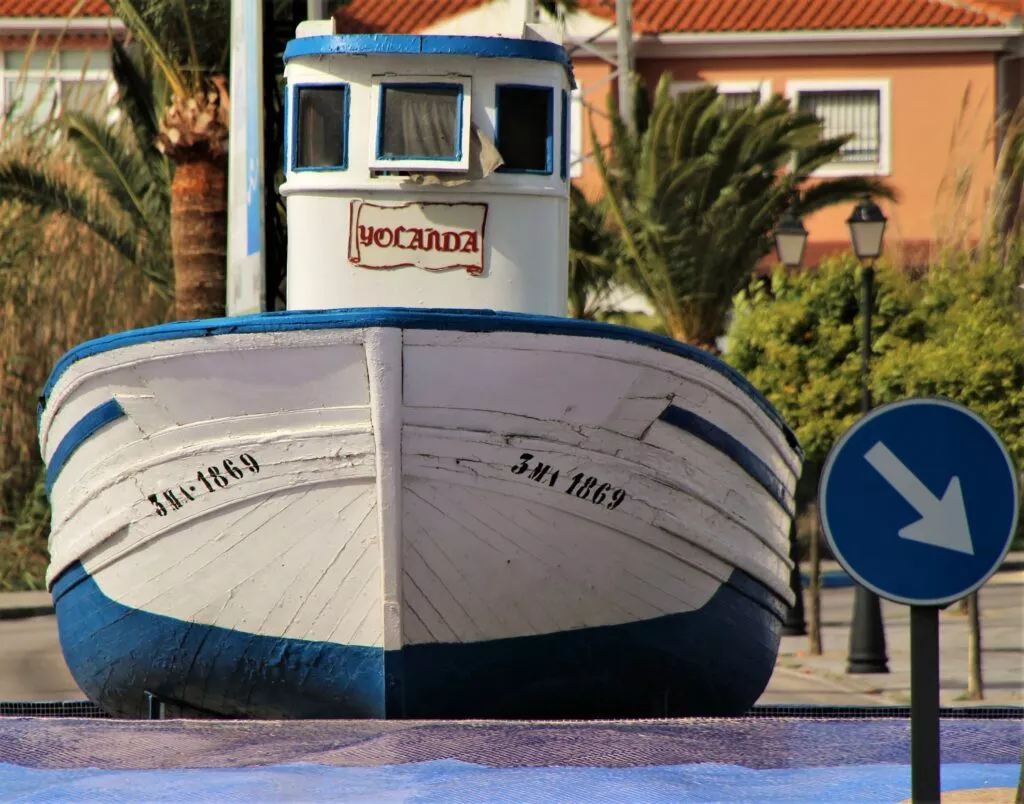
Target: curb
(24,612)
(840,579)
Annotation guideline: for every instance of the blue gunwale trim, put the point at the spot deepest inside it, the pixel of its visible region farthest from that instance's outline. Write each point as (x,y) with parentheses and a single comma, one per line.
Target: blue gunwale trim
(80,431)
(296,126)
(549,136)
(414,318)
(742,455)
(488,47)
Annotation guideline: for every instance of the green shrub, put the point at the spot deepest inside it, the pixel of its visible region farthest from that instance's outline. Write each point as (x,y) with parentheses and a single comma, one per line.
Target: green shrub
(956,330)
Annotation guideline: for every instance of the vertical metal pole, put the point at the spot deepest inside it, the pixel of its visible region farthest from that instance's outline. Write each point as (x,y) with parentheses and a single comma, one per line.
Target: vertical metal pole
(924,705)
(867,633)
(316,9)
(625,61)
(867,306)
(814,596)
(794,623)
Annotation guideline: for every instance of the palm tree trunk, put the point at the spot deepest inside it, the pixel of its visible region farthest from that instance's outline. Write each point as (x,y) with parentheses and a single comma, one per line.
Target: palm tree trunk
(199,220)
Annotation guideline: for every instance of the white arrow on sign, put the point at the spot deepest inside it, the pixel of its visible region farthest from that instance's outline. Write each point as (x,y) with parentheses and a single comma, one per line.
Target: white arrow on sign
(943,522)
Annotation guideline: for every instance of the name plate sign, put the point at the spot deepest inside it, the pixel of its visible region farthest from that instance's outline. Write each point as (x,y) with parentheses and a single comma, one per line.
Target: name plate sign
(433,236)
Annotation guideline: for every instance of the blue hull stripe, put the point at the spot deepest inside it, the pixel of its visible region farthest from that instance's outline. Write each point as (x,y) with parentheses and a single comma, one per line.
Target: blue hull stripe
(724,442)
(84,428)
(413,318)
(713,661)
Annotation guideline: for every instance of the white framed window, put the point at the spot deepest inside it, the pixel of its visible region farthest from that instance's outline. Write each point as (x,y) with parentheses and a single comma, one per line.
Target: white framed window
(321,127)
(43,82)
(422,123)
(861,109)
(525,128)
(576,154)
(734,94)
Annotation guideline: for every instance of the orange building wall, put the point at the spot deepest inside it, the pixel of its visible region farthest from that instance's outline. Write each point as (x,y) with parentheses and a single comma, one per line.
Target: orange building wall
(943,111)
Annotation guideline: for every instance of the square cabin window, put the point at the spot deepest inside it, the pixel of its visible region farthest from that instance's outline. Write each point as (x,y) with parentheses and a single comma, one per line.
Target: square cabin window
(525,128)
(321,127)
(420,123)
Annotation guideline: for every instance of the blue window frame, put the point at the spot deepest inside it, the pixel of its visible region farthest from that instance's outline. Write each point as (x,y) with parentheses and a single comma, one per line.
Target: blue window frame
(420,122)
(564,168)
(320,114)
(525,128)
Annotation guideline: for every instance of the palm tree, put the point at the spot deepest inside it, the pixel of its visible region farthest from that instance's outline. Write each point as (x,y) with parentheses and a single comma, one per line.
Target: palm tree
(591,266)
(119,186)
(695,197)
(193,133)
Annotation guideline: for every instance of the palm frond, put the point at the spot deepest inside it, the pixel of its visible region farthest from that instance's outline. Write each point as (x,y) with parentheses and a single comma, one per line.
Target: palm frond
(695,200)
(136,95)
(49,193)
(129,13)
(121,170)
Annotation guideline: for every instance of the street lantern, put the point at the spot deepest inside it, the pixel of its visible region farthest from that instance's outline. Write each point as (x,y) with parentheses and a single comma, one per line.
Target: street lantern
(867,634)
(867,229)
(790,242)
(790,238)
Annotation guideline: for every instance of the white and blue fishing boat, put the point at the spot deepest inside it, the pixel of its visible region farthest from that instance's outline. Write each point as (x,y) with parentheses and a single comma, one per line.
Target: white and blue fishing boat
(421,491)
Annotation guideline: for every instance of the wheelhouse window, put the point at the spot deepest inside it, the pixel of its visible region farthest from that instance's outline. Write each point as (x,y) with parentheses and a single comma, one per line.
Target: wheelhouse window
(525,127)
(422,125)
(321,127)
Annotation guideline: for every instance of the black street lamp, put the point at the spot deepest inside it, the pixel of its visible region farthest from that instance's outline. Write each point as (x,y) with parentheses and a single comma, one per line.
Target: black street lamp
(790,238)
(867,634)
(790,242)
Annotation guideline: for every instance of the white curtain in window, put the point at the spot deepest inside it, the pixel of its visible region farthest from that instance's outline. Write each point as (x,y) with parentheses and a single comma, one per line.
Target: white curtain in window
(420,122)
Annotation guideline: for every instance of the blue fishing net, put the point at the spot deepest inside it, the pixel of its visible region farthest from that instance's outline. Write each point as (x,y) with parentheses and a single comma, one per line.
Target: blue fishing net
(733,760)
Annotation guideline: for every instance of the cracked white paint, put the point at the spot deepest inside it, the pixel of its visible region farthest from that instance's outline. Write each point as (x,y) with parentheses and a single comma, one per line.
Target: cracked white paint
(385,511)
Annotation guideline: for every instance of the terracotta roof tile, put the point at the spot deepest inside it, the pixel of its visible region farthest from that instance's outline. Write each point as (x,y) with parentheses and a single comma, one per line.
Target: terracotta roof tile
(399,16)
(749,16)
(705,16)
(53,8)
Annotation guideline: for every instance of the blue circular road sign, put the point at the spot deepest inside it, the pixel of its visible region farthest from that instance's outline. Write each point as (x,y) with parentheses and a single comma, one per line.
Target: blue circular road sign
(919,501)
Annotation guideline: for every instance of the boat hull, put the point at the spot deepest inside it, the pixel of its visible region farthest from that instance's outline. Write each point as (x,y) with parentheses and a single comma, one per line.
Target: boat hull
(714,661)
(401,513)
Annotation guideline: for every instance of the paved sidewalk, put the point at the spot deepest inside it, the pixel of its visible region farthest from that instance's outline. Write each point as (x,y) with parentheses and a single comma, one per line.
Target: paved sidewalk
(18,605)
(32,668)
(1002,639)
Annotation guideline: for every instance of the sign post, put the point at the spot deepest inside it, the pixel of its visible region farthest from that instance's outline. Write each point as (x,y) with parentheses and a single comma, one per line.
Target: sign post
(246,237)
(919,503)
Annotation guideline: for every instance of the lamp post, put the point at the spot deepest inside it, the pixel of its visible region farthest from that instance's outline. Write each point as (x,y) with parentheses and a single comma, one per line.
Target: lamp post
(867,634)
(790,242)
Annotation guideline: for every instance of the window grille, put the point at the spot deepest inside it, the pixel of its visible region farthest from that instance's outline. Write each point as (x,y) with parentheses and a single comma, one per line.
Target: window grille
(734,101)
(842,113)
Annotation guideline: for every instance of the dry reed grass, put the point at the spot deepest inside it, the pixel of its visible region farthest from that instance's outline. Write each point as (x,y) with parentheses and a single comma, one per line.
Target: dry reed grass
(59,285)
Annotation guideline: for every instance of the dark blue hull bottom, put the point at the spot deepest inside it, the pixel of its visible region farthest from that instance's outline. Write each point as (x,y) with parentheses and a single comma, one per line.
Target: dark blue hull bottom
(714,661)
